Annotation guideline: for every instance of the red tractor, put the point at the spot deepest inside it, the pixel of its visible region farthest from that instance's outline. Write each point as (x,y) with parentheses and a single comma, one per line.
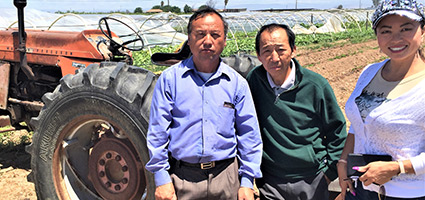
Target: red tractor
(88,106)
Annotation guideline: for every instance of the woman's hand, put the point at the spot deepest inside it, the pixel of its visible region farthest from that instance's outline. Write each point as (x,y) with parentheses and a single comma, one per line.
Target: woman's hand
(378,172)
(344,182)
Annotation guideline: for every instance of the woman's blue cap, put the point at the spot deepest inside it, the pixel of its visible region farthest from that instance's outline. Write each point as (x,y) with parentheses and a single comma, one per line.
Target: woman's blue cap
(406,8)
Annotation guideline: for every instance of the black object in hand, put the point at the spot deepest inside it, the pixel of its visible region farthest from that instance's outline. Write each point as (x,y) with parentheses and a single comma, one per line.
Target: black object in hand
(357,160)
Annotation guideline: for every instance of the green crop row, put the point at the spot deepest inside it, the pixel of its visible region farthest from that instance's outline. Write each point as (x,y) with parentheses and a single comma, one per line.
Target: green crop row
(241,42)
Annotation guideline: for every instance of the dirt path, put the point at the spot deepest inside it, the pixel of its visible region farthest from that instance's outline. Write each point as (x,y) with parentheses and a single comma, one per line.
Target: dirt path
(341,65)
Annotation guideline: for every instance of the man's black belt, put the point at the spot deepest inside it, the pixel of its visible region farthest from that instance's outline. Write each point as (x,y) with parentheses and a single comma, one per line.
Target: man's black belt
(206,165)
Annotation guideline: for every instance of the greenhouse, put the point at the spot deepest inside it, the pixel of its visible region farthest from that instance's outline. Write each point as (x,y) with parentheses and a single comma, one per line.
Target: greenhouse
(170,29)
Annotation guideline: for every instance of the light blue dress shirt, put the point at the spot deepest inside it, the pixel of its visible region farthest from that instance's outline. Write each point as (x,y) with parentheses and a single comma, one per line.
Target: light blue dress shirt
(200,121)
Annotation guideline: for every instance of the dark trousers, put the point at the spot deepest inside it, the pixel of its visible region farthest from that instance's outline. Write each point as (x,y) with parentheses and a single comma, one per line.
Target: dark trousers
(362,194)
(312,188)
(220,182)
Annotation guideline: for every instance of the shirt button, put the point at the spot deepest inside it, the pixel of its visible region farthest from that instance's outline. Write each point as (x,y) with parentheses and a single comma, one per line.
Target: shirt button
(206,102)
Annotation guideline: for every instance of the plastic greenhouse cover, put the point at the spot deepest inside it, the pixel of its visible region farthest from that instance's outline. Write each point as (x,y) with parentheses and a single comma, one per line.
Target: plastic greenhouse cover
(170,29)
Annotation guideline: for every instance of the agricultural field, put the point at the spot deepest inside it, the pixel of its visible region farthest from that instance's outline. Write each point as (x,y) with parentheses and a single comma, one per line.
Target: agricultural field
(339,57)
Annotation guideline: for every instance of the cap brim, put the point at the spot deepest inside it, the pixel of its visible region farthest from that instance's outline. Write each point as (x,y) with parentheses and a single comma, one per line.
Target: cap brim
(405,13)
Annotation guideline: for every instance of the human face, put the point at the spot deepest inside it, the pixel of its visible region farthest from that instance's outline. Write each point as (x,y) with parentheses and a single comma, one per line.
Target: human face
(275,53)
(207,39)
(399,37)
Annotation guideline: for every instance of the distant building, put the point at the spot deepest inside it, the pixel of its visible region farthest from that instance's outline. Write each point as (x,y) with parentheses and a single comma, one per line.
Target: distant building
(232,10)
(281,10)
(154,11)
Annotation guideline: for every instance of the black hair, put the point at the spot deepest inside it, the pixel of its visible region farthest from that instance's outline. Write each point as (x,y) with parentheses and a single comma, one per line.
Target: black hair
(421,50)
(202,13)
(272,27)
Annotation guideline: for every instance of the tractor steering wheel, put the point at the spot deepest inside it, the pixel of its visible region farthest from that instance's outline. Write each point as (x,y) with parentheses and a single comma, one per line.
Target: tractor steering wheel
(108,34)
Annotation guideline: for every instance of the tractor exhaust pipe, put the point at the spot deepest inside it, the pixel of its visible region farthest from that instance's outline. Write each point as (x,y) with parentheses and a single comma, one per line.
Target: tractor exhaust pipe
(20,5)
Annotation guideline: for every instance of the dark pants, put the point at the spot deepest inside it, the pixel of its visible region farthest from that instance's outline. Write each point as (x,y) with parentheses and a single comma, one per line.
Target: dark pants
(312,188)
(362,194)
(220,182)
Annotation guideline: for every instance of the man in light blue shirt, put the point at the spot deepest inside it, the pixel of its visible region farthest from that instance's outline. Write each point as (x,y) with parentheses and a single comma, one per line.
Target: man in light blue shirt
(203,127)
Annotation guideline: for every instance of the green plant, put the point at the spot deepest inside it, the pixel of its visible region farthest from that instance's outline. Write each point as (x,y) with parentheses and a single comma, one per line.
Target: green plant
(14,138)
(143,58)
(338,57)
(241,42)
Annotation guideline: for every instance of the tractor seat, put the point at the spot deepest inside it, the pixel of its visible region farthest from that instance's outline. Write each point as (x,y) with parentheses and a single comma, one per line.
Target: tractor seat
(168,59)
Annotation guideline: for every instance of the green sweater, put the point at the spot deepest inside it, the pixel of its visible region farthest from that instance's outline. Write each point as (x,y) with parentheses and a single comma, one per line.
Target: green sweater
(303,129)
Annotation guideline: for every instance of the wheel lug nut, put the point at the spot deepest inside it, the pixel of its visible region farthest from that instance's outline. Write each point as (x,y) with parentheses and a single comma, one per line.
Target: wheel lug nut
(117,187)
(118,158)
(125,180)
(102,174)
(124,168)
(108,155)
(108,184)
(102,162)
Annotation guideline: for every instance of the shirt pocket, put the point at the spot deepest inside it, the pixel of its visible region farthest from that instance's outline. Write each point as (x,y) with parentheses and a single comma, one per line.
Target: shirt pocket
(226,121)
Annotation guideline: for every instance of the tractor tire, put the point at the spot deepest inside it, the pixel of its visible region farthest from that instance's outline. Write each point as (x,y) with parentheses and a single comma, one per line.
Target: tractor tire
(90,138)
(242,63)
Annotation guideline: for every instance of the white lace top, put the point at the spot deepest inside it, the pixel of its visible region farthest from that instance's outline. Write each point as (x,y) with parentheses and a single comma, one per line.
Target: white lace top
(396,128)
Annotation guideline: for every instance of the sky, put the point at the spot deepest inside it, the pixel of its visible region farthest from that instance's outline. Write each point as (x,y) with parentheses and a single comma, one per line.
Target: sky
(130,5)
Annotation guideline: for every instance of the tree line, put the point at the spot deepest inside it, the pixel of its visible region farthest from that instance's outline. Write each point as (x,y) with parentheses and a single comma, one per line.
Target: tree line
(168,8)
(175,9)
(210,3)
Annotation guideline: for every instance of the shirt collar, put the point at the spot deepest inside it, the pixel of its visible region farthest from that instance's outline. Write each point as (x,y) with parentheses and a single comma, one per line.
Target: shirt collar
(223,68)
(288,83)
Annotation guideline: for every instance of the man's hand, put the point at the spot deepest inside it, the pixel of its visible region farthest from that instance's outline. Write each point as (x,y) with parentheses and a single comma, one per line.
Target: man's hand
(328,181)
(344,182)
(165,192)
(245,193)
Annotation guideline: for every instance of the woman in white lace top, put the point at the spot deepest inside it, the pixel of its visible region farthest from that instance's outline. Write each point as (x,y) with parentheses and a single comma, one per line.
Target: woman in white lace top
(387,110)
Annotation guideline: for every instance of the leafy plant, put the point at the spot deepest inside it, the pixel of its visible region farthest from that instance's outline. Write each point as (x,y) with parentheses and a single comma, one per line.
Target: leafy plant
(241,42)
(11,138)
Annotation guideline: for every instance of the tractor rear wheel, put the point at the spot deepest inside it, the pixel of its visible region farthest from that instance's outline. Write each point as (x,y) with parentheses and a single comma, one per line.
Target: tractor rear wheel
(90,138)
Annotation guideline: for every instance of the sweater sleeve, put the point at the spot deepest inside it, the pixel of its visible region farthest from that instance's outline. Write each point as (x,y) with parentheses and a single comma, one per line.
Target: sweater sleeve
(334,129)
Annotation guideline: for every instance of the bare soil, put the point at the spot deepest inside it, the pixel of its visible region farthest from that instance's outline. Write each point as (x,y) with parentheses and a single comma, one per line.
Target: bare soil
(340,64)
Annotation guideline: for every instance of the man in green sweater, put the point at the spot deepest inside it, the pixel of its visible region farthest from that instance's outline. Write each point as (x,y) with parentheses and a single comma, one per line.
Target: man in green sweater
(302,127)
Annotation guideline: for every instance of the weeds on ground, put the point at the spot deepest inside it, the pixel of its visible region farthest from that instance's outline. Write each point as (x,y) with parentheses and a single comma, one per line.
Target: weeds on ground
(12,138)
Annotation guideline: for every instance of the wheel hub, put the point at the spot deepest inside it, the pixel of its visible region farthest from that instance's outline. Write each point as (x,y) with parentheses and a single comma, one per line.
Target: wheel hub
(114,169)
(113,172)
